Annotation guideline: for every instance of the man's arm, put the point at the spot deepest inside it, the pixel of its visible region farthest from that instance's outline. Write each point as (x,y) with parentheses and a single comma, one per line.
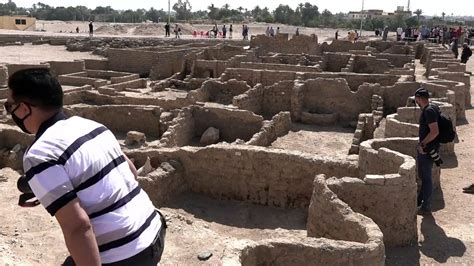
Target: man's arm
(78,234)
(434,132)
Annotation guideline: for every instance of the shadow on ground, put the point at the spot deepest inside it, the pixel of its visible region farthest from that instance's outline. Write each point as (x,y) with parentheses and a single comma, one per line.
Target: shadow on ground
(434,243)
(240,214)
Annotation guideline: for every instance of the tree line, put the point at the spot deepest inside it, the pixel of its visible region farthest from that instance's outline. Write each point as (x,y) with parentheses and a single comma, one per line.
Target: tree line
(305,14)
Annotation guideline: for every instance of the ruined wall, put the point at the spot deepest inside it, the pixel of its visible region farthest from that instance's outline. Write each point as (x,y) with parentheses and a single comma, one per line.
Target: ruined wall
(334,62)
(232,123)
(13,144)
(279,126)
(341,46)
(333,96)
(164,64)
(397,60)
(12,68)
(122,118)
(251,173)
(252,100)
(370,64)
(283,67)
(219,92)
(96,64)
(66,67)
(385,172)
(281,44)
(267,78)
(180,131)
(277,98)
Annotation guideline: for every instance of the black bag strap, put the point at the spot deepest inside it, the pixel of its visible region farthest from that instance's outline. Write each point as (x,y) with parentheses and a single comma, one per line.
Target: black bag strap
(25,200)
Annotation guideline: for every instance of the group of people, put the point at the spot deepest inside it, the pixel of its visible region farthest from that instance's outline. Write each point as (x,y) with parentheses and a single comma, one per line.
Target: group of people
(176,30)
(215,32)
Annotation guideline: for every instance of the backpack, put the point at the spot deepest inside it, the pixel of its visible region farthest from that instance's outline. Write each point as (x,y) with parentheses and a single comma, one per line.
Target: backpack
(447,131)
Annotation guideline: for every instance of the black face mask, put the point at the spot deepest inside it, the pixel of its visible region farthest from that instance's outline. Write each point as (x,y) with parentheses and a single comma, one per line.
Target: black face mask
(21,122)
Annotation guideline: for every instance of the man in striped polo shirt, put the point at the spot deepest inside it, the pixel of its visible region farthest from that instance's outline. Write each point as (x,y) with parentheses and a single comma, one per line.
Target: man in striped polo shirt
(77,170)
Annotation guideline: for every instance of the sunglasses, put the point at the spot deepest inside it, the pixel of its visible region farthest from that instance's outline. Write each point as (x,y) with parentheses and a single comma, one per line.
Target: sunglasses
(9,107)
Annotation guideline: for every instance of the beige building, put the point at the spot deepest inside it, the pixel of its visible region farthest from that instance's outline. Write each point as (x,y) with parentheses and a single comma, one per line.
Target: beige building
(17,23)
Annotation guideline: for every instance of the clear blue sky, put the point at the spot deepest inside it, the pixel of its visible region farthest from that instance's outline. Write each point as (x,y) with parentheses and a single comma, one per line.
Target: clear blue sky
(429,7)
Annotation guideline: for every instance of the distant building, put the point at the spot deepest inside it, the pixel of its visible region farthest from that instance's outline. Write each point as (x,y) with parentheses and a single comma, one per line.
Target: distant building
(17,23)
(377,13)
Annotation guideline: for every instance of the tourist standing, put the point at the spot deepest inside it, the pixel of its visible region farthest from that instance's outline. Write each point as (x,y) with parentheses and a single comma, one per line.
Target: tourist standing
(297,33)
(336,35)
(91,29)
(399,33)
(428,133)
(385,33)
(167,30)
(454,48)
(278,31)
(230,31)
(224,32)
(466,53)
(177,31)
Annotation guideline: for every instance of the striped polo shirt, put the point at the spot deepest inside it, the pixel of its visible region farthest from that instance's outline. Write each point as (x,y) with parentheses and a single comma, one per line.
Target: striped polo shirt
(79,158)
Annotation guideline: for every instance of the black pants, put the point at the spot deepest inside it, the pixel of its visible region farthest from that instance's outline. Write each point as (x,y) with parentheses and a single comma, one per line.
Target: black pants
(150,256)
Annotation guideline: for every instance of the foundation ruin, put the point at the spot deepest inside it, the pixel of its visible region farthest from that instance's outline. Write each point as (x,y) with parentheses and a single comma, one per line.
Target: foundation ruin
(254,97)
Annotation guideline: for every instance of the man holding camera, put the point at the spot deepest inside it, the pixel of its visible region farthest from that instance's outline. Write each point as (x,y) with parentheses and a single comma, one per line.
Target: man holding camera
(77,171)
(428,147)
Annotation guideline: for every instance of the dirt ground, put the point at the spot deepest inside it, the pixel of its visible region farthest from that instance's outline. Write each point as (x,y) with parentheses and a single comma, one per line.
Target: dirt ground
(327,141)
(68,28)
(448,235)
(31,237)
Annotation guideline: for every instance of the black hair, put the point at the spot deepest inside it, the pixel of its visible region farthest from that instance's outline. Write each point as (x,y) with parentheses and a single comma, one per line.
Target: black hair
(422,93)
(37,86)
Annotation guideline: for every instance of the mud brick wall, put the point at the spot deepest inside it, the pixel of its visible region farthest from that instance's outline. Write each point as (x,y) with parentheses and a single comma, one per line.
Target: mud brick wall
(12,68)
(250,100)
(279,126)
(122,118)
(96,64)
(396,60)
(283,67)
(164,64)
(233,124)
(335,61)
(180,131)
(64,67)
(251,173)
(277,98)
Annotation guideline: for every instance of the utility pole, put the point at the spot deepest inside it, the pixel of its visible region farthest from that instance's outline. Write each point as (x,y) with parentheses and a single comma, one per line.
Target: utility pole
(169,11)
(361,18)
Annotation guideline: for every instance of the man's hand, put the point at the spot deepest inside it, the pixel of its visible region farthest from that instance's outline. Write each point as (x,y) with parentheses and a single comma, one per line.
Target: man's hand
(420,149)
(78,234)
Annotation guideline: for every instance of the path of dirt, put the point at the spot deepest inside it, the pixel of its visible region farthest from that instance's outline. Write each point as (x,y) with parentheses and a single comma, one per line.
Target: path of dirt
(448,235)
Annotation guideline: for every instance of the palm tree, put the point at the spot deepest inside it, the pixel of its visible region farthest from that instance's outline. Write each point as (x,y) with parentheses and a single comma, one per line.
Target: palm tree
(240,9)
(443,15)
(418,12)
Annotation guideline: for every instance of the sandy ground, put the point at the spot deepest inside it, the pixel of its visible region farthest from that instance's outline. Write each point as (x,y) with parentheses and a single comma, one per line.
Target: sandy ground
(32,237)
(448,235)
(327,141)
(35,54)
(68,28)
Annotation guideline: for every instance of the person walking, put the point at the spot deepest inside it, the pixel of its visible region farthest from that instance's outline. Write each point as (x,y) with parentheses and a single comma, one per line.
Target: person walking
(428,144)
(78,172)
